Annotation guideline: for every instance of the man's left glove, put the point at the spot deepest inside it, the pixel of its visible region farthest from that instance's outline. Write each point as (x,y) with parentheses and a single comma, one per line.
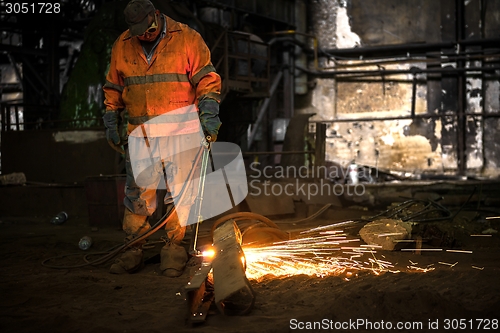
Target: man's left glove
(209,117)
(111,122)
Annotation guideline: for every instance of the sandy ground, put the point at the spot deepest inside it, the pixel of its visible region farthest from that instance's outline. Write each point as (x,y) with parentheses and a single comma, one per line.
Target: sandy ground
(35,298)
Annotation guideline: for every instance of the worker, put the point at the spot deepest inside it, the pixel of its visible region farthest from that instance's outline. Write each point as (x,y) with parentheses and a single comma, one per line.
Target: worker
(158,66)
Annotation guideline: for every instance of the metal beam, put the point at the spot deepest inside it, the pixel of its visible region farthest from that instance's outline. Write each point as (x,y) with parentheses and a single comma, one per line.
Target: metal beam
(22,50)
(263,108)
(320,146)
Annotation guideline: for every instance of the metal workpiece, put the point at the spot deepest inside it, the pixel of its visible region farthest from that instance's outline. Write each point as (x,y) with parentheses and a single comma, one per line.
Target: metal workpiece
(221,278)
(232,290)
(199,293)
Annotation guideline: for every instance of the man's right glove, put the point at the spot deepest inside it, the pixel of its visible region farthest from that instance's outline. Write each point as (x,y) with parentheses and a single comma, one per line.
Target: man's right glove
(111,122)
(209,117)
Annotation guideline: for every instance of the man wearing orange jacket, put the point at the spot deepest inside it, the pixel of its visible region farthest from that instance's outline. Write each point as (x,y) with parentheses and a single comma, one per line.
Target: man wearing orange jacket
(157,66)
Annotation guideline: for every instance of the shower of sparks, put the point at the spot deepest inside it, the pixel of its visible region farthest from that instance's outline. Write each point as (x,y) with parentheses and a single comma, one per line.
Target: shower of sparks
(459,251)
(420,269)
(428,250)
(317,252)
(447,264)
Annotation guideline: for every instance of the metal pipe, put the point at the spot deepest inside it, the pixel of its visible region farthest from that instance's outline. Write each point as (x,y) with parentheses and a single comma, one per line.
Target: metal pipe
(16,115)
(294,32)
(424,116)
(417,116)
(278,152)
(418,59)
(405,48)
(461,124)
(288,80)
(6,119)
(385,72)
(413,95)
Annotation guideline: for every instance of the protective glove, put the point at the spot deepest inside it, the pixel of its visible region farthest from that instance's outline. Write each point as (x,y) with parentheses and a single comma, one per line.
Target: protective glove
(209,117)
(111,122)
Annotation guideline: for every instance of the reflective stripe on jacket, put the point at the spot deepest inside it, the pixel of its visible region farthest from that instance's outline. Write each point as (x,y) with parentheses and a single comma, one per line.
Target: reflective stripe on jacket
(180,74)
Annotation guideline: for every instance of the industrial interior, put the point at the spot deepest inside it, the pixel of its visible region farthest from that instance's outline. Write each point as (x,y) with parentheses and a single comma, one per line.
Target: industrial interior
(368,134)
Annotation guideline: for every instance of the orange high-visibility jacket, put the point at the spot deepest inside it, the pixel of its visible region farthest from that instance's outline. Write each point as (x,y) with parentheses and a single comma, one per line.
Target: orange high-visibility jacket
(179,74)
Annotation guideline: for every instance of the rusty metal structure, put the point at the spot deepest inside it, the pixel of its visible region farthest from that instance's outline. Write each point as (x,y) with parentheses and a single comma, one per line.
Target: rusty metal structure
(243,63)
(53,74)
(38,51)
(82,35)
(273,57)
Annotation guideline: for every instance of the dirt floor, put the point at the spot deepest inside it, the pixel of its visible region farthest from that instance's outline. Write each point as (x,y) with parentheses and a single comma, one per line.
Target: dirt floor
(464,297)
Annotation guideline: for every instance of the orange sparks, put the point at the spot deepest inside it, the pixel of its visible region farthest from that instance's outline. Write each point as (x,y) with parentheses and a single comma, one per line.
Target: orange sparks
(317,253)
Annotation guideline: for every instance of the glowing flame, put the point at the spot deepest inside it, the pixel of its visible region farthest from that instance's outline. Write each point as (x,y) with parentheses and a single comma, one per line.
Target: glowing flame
(317,252)
(209,254)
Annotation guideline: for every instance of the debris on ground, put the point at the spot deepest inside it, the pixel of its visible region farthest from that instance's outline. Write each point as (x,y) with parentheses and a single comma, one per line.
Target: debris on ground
(384,233)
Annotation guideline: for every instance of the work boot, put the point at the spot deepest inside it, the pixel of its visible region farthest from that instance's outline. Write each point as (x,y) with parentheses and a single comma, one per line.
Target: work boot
(134,224)
(129,262)
(173,260)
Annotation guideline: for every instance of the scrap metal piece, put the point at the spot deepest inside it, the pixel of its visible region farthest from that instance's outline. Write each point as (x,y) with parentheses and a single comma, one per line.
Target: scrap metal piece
(232,290)
(199,294)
